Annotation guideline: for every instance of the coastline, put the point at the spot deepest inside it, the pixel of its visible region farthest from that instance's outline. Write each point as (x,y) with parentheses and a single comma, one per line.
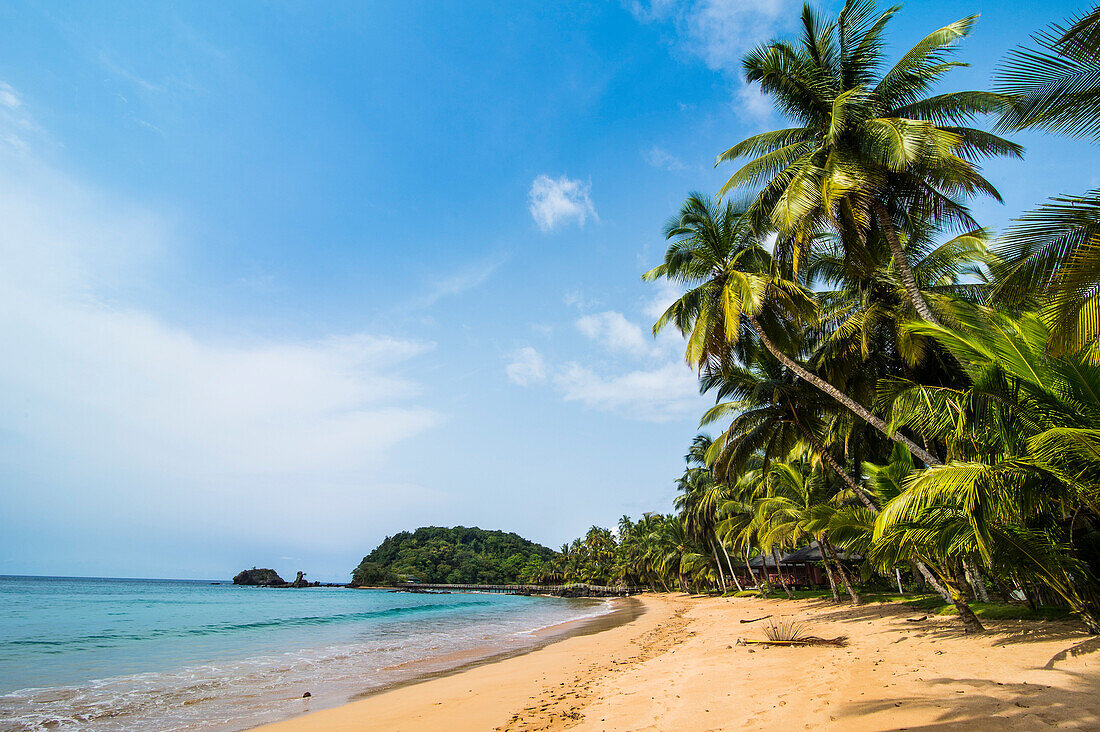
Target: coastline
(678,666)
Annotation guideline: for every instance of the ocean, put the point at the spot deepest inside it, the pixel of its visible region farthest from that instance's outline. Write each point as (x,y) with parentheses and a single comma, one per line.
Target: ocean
(130,654)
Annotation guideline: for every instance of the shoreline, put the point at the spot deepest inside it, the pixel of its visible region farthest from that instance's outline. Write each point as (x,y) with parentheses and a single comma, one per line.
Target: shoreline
(678,666)
(623,610)
(628,612)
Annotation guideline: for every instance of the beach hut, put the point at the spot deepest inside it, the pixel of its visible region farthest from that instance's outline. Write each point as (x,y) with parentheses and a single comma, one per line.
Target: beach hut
(762,569)
(801,568)
(805,567)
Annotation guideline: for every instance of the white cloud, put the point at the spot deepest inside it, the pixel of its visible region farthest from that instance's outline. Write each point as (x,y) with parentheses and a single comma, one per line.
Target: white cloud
(664,294)
(662,159)
(112,408)
(556,201)
(526,367)
(660,394)
(719,32)
(753,102)
(612,330)
(661,389)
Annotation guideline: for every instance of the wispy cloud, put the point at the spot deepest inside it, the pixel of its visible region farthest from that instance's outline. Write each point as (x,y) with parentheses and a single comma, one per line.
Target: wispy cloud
(17,127)
(466,278)
(9,97)
(170,426)
(655,386)
(659,394)
(557,201)
(664,294)
(526,366)
(662,159)
(120,71)
(719,32)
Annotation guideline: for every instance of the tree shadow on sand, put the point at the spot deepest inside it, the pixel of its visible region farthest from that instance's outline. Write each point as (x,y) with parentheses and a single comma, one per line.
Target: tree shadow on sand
(980,704)
(1092,645)
(1004,632)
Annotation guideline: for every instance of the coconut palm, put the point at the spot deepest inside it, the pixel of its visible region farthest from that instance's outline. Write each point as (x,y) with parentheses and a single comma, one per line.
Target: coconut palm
(1052,254)
(698,501)
(734,294)
(1056,87)
(1023,455)
(795,510)
(871,152)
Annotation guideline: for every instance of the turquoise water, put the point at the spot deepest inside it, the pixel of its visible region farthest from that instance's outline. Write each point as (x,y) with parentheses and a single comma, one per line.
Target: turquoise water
(114,654)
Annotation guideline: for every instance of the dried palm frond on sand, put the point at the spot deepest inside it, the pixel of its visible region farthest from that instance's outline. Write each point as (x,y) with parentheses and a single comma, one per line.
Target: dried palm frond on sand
(792,633)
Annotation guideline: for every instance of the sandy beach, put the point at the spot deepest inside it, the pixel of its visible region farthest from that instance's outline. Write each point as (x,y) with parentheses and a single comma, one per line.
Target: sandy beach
(678,667)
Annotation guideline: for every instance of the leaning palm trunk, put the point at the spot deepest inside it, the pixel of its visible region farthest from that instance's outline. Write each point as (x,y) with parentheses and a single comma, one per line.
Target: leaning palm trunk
(901,261)
(827,546)
(829,574)
(782,579)
(829,460)
(717,561)
(729,563)
(748,565)
(970,621)
(977,584)
(852,405)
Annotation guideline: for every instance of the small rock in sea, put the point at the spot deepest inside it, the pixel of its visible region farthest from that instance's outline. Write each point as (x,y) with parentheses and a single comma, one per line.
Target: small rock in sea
(306,695)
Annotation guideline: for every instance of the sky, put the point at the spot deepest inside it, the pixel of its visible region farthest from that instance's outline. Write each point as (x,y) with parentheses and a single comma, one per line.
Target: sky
(280,279)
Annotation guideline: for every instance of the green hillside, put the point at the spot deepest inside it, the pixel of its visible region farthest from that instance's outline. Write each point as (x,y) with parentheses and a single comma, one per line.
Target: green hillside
(456,555)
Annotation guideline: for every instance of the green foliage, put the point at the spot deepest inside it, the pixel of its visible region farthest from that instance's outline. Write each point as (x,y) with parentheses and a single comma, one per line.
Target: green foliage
(889,387)
(458,555)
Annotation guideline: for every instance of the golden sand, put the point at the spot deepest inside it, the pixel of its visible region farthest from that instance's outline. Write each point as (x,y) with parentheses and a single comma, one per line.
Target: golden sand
(678,667)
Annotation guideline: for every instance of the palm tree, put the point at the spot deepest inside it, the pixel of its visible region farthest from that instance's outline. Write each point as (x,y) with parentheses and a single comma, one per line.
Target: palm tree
(1023,455)
(1056,87)
(795,510)
(870,153)
(698,502)
(1052,254)
(772,414)
(732,285)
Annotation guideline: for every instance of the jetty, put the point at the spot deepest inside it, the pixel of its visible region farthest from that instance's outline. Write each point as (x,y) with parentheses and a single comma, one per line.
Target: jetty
(570,590)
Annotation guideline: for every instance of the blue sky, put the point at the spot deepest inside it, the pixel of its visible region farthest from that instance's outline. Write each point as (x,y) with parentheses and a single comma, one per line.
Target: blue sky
(279,280)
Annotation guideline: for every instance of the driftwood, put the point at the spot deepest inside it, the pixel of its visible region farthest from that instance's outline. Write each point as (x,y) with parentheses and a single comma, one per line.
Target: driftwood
(809,640)
(755,619)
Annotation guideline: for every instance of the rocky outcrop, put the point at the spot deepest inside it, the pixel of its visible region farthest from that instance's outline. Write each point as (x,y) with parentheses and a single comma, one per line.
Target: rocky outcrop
(260,578)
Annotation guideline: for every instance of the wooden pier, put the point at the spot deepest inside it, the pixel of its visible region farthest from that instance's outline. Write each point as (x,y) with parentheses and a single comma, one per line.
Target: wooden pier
(570,590)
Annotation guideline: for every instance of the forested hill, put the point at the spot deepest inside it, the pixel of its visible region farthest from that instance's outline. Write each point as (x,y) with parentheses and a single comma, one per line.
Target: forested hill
(456,555)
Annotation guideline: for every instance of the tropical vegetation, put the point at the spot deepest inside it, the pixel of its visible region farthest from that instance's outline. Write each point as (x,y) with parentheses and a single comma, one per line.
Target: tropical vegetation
(458,555)
(914,395)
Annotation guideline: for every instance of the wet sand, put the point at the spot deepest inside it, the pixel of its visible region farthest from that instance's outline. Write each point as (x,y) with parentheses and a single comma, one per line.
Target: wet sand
(678,667)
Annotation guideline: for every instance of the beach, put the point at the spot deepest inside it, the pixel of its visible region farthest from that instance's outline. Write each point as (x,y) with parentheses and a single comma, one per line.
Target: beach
(678,666)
